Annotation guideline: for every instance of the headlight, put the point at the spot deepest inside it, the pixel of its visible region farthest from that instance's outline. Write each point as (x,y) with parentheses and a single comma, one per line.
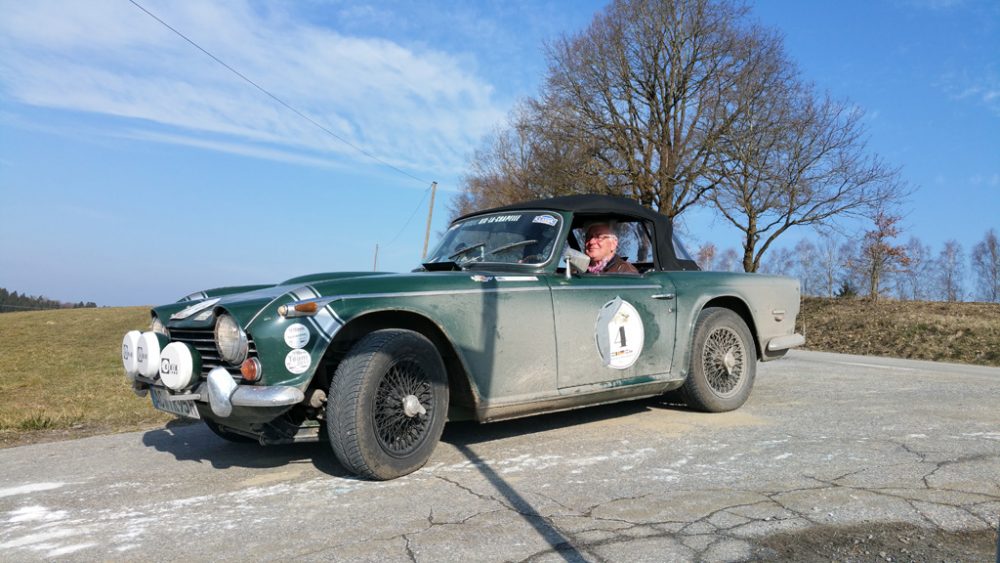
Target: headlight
(158,327)
(230,339)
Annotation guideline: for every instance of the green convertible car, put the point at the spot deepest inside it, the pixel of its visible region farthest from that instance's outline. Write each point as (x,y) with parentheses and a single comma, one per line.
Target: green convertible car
(503,320)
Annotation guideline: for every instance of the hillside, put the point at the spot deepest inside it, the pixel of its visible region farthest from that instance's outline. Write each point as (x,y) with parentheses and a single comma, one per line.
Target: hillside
(60,374)
(923,330)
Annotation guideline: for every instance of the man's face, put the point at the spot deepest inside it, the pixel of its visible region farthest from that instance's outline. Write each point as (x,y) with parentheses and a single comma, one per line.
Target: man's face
(601,242)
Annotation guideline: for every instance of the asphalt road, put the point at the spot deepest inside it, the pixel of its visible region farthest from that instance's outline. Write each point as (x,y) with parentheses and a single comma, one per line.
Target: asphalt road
(828,446)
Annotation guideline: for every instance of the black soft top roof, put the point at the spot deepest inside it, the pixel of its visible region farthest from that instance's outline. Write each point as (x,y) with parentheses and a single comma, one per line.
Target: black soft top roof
(610,207)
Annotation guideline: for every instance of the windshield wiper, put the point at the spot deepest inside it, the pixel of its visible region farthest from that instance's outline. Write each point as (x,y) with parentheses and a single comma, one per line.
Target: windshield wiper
(466,250)
(510,246)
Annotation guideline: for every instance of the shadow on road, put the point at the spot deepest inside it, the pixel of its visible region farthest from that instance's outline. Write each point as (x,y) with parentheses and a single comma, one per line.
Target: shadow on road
(469,432)
(194,442)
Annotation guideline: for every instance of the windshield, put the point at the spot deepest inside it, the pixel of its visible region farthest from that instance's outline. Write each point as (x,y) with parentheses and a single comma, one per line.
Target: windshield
(526,237)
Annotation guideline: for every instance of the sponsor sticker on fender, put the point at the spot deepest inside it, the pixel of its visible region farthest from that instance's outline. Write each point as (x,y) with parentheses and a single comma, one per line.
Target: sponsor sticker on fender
(620,334)
(297,336)
(297,361)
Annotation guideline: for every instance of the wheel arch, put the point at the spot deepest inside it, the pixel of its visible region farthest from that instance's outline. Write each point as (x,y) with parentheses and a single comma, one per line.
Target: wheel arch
(738,306)
(464,397)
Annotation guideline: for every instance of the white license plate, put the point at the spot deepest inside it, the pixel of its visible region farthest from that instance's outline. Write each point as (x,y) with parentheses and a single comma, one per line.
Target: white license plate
(161,400)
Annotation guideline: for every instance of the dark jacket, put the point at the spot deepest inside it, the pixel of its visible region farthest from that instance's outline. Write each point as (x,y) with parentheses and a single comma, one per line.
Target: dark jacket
(619,265)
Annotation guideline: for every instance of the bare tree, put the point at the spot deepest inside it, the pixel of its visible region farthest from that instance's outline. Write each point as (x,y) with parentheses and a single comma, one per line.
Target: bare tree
(879,257)
(912,281)
(830,263)
(526,160)
(781,262)
(794,159)
(706,256)
(986,267)
(808,267)
(951,271)
(728,261)
(651,81)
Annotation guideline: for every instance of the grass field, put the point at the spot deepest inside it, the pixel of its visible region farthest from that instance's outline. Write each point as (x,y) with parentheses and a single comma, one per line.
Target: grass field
(61,376)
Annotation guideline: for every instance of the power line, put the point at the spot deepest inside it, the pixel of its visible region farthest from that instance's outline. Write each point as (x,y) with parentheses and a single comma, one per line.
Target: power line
(407,223)
(273,97)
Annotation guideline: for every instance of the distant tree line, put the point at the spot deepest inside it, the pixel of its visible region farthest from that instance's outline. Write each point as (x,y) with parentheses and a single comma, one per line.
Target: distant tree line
(875,266)
(11,301)
(683,103)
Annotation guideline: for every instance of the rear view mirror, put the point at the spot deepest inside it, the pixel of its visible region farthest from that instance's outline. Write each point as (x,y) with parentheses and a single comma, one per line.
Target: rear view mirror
(575,260)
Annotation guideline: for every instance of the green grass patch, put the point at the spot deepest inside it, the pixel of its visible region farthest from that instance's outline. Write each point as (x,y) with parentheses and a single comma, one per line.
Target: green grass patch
(61,374)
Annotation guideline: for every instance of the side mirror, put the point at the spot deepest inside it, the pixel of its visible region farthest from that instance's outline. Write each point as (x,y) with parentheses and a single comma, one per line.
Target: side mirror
(575,260)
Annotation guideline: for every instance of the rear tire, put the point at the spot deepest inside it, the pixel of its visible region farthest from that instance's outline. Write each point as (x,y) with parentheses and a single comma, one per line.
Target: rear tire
(723,362)
(387,405)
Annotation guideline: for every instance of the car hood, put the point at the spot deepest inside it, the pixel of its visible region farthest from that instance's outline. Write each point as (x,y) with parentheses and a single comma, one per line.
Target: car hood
(246,305)
(243,302)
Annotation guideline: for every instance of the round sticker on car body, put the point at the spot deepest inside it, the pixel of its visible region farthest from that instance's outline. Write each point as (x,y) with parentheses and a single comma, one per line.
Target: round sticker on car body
(620,334)
(297,336)
(297,361)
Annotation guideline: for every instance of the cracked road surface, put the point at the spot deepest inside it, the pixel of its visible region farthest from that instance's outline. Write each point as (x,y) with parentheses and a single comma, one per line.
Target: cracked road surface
(863,447)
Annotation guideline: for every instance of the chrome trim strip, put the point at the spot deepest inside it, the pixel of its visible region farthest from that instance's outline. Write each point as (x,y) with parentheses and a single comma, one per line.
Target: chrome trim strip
(595,287)
(786,342)
(433,293)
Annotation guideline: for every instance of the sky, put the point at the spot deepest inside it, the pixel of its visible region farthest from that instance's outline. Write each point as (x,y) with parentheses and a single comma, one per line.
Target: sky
(135,169)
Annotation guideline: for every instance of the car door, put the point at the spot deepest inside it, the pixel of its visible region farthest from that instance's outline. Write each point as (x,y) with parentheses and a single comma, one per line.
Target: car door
(613,328)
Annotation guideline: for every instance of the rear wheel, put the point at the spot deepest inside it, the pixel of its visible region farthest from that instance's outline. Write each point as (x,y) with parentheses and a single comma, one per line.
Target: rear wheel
(387,404)
(723,362)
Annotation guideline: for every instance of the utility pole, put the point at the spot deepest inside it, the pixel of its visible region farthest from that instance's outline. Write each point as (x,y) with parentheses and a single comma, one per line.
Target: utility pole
(375,265)
(430,214)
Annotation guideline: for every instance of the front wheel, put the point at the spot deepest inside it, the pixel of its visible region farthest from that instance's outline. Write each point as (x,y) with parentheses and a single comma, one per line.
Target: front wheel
(723,362)
(387,404)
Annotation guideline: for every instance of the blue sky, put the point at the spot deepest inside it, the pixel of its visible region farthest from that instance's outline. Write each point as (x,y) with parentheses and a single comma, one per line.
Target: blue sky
(134,169)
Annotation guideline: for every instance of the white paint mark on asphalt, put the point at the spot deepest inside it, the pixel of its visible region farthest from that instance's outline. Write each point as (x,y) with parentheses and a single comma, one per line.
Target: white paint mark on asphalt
(41,538)
(916,435)
(783,456)
(66,550)
(35,514)
(875,366)
(29,488)
(987,435)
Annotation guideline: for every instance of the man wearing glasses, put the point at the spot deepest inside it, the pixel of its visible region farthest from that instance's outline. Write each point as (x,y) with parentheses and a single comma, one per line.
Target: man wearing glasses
(601,245)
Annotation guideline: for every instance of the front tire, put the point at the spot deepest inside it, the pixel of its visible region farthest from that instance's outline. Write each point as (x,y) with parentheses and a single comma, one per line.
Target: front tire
(723,362)
(387,404)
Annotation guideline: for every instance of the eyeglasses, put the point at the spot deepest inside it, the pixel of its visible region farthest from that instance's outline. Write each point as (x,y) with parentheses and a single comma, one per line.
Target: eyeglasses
(601,237)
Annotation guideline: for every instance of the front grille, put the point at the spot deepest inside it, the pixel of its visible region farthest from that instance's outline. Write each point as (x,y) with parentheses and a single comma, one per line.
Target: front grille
(203,340)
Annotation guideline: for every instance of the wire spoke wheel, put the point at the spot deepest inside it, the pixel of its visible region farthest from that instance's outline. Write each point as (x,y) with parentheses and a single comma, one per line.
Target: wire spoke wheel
(724,360)
(387,404)
(402,408)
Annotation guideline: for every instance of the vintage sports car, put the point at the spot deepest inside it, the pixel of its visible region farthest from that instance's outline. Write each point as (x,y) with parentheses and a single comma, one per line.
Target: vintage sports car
(501,321)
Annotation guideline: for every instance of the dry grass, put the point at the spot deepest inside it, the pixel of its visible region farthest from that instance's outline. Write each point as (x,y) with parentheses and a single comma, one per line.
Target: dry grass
(61,375)
(948,332)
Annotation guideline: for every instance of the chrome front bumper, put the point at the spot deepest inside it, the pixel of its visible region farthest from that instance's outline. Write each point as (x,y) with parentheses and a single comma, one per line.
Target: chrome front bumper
(785,342)
(222,394)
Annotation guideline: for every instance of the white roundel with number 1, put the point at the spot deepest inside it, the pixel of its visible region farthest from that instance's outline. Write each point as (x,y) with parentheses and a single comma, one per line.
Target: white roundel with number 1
(620,334)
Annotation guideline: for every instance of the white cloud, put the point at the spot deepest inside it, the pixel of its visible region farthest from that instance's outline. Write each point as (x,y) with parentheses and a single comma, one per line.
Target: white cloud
(420,109)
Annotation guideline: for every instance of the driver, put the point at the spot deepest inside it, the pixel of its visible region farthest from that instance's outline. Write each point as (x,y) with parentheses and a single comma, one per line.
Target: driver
(601,245)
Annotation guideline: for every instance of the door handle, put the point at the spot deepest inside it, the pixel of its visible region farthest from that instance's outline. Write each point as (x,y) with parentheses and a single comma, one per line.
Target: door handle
(666,296)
